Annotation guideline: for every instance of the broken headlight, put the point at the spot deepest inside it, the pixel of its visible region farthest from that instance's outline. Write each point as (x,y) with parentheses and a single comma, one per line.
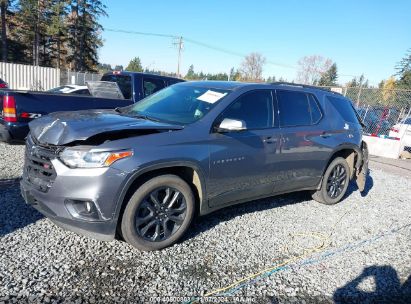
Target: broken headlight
(78,157)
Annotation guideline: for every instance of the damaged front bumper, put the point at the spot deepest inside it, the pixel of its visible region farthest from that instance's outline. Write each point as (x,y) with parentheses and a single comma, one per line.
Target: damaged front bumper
(81,200)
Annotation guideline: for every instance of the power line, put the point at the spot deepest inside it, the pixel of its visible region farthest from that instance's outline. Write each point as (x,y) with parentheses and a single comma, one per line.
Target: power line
(206,45)
(179,45)
(140,33)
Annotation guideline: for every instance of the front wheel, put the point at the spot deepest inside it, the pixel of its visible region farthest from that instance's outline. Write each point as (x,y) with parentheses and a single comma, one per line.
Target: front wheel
(335,182)
(158,213)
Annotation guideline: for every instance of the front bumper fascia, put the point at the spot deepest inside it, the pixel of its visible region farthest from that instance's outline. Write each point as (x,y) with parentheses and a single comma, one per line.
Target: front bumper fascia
(101,186)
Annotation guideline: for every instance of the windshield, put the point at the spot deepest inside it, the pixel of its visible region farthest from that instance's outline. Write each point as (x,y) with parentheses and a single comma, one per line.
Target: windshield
(181,104)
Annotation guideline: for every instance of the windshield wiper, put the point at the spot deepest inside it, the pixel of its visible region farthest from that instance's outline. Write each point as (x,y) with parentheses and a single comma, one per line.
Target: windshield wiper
(143,116)
(118,110)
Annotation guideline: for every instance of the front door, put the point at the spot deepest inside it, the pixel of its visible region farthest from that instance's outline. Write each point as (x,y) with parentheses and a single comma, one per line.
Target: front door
(240,162)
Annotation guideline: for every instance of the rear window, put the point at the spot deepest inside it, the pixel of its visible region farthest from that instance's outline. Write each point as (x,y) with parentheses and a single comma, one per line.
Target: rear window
(123,81)
(345,108)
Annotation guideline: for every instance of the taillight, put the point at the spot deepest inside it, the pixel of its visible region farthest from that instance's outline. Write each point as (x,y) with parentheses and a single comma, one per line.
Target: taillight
(9,109)
(395,130)
(3,85)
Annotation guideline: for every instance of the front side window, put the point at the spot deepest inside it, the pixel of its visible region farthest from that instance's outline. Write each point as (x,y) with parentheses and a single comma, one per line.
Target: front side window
(152,85)
(181,104)
(254,108)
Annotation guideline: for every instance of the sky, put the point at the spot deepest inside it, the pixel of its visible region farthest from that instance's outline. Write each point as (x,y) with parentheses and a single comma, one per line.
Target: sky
(362,37)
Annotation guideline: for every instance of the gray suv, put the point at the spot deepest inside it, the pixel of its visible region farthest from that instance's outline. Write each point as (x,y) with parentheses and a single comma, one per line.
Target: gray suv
(143,172)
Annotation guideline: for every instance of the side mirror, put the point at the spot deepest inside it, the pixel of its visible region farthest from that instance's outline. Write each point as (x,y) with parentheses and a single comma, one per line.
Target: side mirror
(231,125)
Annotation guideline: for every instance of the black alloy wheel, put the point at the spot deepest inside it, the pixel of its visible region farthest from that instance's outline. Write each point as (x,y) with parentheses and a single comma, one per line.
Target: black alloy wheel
(336,181)
(158,213)
(161,214)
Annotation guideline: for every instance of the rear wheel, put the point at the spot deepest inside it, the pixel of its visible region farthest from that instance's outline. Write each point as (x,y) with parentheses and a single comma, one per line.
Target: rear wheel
(335,182)
(158,213)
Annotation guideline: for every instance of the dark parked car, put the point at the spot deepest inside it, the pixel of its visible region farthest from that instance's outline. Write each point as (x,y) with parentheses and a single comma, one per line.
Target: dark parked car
(18,108)
(378,120)
(146,170)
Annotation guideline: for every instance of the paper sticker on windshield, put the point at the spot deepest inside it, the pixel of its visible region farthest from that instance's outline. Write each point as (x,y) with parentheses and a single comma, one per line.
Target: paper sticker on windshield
(211,96)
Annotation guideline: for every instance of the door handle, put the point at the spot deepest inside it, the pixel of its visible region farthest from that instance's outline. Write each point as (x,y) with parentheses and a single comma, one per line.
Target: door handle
(325,135)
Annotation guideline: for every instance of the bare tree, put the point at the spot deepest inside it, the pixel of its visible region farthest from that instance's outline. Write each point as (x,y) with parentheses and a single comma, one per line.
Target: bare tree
(252,67)
(311,68)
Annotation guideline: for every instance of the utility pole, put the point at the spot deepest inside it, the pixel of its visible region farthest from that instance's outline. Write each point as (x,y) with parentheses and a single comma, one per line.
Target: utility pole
(179,45)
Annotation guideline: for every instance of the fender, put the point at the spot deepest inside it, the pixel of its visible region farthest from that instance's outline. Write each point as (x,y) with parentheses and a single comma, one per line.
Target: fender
(345,146)
(163,165)
(360,164)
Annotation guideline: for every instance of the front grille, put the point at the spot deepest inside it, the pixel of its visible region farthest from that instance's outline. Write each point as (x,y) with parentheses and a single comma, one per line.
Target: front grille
(38,169)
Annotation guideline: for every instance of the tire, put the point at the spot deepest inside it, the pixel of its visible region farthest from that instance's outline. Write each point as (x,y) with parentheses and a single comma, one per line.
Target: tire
(330,182)
(153,203)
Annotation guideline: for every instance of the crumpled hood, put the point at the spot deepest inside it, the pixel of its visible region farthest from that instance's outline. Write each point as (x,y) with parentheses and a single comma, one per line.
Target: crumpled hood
(65,127)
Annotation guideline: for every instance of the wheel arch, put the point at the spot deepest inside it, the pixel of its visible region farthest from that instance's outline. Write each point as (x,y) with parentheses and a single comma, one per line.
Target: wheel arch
(351,153)
(188,171)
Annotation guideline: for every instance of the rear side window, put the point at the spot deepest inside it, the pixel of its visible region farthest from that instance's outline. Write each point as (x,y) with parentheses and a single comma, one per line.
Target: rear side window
(254,108)
(123,81)
(152,85)
(315,109)
(344,107)
(297,109)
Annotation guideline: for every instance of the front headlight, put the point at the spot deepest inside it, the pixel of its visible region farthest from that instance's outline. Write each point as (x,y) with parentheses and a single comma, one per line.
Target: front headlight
(78,157)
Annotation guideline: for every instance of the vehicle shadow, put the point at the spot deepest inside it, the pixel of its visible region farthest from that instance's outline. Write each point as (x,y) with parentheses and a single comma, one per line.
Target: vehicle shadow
(352,187)
(387,289)
(204,223)
(15,214)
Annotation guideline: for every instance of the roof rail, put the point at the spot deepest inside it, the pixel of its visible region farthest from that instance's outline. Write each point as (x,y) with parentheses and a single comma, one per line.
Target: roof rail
(284,83)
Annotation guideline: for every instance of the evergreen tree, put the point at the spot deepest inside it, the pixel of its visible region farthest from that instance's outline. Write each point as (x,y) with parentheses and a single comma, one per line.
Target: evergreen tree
(190,73)
(329,78)
(30,26)
(360,82)
(85,33)
(57,30)
(134,65)
(404,72)
(234,75)
(4,4)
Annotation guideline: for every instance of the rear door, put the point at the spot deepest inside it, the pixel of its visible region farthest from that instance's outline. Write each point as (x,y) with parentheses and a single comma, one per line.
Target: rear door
(305,146)
(241,162)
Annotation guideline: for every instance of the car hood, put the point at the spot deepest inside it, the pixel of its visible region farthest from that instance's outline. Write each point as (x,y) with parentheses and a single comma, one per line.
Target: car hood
(62,128)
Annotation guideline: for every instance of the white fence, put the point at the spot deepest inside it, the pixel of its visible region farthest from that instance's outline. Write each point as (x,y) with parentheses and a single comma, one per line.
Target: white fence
(79,78)
(29,77)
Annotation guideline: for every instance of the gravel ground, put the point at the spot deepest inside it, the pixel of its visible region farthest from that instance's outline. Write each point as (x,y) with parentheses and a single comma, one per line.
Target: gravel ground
(365,258)
(11,161)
